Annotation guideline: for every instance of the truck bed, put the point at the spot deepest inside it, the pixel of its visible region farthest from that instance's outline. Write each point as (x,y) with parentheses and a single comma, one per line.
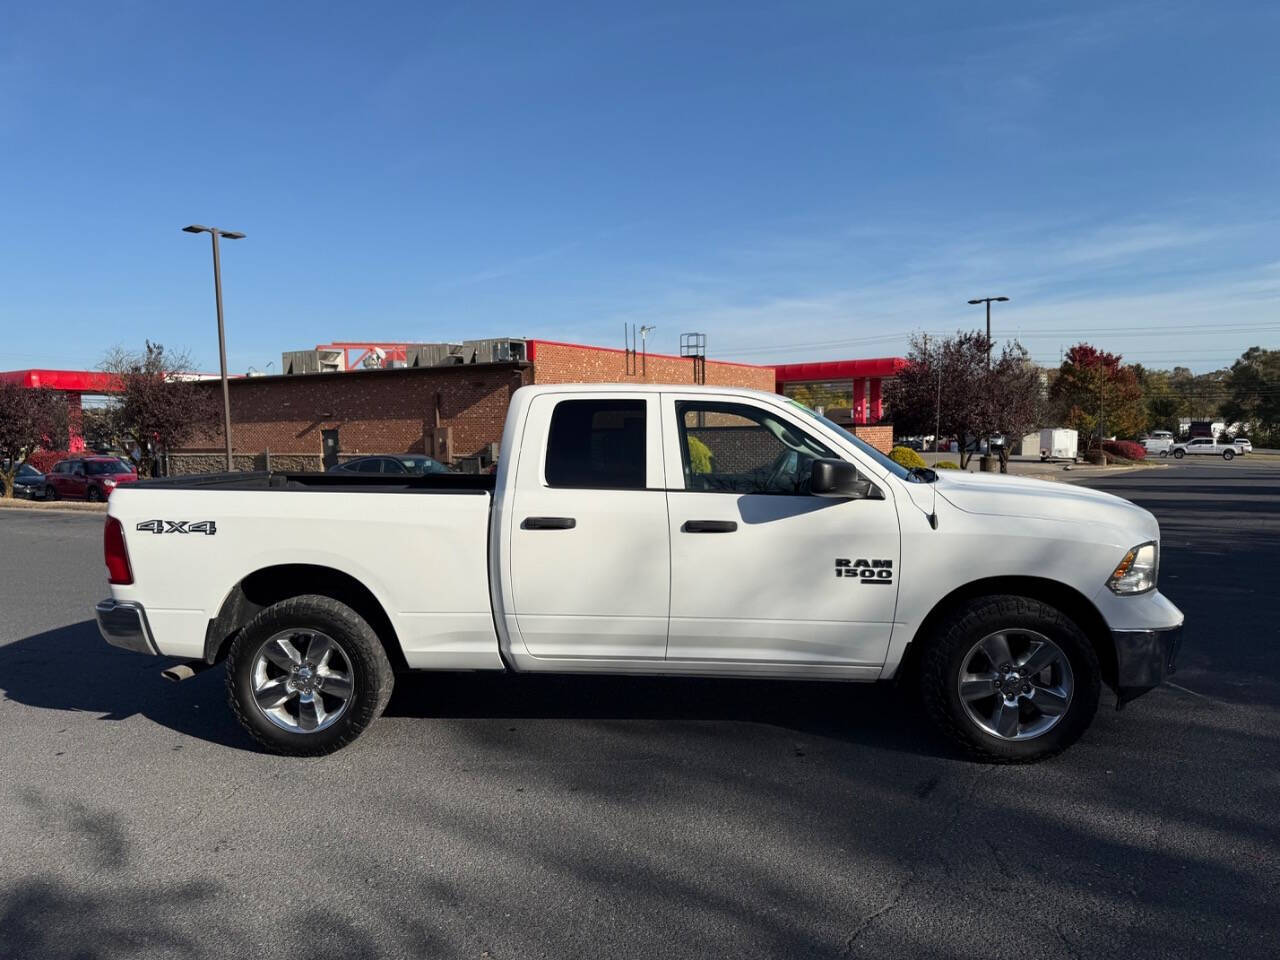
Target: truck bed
(423,558)
(331,482)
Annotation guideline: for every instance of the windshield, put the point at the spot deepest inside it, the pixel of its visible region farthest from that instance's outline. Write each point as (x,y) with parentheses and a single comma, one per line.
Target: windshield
(896,469)
(97,468)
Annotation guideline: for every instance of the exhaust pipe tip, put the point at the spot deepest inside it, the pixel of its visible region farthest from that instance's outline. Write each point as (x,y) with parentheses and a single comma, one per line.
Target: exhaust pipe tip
(183,671)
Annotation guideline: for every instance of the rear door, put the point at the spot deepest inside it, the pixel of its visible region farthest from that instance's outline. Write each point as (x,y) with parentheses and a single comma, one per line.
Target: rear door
(590,563)
(762,572)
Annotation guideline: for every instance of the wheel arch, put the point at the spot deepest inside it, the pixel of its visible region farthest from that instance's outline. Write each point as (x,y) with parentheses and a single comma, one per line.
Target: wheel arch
(270,585)
(1056,594)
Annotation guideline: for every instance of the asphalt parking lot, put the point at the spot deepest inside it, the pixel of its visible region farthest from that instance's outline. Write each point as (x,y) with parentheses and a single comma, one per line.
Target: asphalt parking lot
(517,817)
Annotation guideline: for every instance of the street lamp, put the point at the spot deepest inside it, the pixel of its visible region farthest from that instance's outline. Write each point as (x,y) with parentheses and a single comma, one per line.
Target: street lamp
(988,301)
(985,461)
(215,233)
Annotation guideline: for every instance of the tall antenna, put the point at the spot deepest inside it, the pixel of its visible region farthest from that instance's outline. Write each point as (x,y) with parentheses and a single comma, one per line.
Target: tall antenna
(645,330)
(629,341)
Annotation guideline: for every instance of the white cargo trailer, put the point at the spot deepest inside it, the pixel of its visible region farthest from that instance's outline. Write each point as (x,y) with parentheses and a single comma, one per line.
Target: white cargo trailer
(1059,444)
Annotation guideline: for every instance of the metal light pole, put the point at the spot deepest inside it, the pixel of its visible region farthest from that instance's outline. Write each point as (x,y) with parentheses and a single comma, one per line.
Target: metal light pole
(988,301)
(984,463)
(215,233)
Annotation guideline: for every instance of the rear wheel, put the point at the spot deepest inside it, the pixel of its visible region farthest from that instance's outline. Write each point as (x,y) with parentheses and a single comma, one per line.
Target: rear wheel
(50,493)
(307,675)
(1010,680)
(1228,454)
(1179,454)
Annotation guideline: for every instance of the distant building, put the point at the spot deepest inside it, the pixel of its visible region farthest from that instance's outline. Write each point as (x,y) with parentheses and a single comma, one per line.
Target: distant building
(417,398)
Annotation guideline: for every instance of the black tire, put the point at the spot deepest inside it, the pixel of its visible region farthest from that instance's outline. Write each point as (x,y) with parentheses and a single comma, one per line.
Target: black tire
(944,656)
(1179,454)
(50,493)
(371,674)
(1228,455)
(94,495)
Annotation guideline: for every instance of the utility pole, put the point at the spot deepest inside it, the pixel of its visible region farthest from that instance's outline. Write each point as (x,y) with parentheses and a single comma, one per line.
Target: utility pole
(215,233)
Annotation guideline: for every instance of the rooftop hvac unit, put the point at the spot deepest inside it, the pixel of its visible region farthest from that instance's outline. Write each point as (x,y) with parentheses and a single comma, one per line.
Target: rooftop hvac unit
(502,350)
(299,361)
(331,361)
(433,354)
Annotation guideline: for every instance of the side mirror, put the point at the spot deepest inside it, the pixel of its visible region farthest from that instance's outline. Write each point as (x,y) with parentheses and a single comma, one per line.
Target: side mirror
(839,479)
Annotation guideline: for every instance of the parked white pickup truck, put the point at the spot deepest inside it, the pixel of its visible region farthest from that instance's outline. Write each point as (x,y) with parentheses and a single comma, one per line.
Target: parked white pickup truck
(649,530)
(1219,446)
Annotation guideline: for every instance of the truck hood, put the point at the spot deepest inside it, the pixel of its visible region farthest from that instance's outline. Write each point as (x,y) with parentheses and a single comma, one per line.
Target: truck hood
(1001,495)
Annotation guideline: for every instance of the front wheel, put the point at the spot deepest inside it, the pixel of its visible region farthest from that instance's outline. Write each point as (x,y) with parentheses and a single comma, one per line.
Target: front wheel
(307,675)
(1179,454)
(1228,455)
(1010,680)
(94,495)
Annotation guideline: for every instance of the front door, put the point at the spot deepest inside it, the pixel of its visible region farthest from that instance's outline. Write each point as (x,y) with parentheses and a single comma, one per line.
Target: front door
(762,572)
(590,558)
(329,448)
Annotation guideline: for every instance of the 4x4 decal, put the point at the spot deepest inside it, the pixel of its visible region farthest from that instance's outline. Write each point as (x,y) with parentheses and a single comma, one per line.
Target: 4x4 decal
(207,527)
(865,571)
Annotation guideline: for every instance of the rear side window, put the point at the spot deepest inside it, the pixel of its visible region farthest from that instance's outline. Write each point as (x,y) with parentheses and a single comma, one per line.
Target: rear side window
(597,443)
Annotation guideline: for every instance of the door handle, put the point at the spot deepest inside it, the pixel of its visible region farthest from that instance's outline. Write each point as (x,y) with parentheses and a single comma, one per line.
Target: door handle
(549,523)
(710,526)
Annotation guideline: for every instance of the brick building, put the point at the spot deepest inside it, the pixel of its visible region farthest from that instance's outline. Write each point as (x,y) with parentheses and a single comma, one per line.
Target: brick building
(555,362)
(454,412)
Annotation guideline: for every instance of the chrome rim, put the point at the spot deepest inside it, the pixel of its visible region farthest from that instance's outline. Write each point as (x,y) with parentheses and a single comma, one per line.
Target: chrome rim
(1016,684)
(302,681)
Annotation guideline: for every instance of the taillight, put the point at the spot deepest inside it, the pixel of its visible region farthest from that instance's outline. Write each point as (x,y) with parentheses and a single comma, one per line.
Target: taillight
(118,569)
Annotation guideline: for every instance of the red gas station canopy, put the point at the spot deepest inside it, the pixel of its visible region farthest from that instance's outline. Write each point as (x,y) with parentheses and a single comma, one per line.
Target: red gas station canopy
(879,367)
(71,381)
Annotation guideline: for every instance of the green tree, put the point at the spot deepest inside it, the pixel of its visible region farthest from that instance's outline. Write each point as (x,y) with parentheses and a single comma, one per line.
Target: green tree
(1165,406)
(1253,394)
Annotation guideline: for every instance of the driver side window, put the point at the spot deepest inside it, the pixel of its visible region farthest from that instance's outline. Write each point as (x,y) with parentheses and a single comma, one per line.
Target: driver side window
(736,448)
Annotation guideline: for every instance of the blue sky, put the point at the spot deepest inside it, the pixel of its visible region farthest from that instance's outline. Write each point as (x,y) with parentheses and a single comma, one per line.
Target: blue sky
(798,181)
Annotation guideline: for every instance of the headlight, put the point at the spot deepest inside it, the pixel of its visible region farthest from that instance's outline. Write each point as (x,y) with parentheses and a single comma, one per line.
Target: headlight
(1137,571)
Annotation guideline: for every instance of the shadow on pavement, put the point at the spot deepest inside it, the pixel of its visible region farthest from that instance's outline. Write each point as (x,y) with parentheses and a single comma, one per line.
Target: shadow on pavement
(71,668)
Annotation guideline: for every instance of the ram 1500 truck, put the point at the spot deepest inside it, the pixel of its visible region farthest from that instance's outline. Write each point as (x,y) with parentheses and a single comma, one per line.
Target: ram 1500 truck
(649,530)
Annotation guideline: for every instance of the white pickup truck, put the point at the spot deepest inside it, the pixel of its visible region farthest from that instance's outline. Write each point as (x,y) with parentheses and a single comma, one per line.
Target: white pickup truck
(649,530)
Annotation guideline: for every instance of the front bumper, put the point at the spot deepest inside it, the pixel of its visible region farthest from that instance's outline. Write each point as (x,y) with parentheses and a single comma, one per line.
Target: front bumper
(125,625)
(1143,659)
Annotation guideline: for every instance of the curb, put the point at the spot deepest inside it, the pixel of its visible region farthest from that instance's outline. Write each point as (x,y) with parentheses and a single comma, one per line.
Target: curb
(54,506)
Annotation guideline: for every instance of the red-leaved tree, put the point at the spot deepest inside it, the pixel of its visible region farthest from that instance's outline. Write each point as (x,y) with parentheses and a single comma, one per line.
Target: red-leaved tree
(1098,395)
(158,407)
(950,386)
(29,418)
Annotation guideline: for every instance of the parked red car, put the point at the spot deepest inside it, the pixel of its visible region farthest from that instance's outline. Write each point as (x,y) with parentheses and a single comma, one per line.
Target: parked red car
(87,478)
